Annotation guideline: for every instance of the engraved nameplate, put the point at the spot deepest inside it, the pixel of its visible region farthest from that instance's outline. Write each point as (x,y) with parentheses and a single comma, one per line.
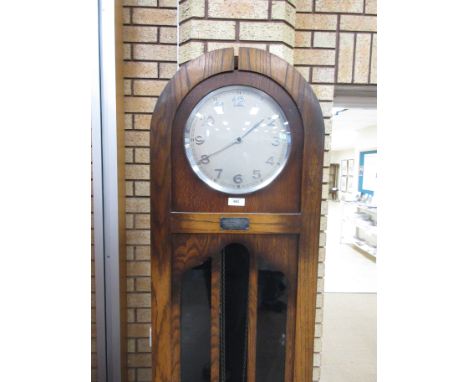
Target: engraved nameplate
(234,224)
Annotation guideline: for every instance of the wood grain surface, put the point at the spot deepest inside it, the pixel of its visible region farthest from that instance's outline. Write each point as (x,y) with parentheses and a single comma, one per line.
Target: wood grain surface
(284,217)
(186,78)
(280,71)
(190,222)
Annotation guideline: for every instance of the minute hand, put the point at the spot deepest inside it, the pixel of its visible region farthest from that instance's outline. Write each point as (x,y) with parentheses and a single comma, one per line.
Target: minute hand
(251,129)
(236,141)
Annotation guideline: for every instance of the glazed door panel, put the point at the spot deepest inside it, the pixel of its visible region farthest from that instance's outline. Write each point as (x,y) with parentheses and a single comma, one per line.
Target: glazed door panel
(236,295)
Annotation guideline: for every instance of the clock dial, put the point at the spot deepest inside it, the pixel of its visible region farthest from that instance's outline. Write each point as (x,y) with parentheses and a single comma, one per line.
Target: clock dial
(237,139)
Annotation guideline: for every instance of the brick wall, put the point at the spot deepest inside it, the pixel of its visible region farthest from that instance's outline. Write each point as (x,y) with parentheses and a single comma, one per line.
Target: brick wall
(348,27)
(314,57)
(328,41)
(215,24)
(150,55)
(336,41)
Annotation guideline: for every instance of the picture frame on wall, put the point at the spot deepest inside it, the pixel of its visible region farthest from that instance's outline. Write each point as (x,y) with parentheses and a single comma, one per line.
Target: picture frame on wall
(350,183)
(350,167)
(343,183)
(344,167)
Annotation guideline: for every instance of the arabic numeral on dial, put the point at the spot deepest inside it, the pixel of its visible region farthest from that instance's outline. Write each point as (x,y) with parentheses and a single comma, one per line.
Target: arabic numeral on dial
(271,161)
(276,141)
(219,171)
(238,100)
(210,121)
(237,179)
(199,140)
(256,174)
(204,159)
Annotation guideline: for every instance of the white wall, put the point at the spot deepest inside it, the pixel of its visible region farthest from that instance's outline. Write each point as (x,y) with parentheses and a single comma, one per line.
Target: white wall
(365,140)
(337,155)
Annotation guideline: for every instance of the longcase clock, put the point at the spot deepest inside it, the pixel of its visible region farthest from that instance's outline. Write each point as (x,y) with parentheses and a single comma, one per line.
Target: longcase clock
(236,185)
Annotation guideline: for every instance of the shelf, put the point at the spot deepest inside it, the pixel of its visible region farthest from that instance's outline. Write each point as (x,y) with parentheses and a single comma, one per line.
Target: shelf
(366,248)
(359,227)
(366,225)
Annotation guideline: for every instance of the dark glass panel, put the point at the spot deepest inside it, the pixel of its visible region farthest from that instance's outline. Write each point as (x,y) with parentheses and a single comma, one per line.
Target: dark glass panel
(195,323)
(271,323)
(234,307)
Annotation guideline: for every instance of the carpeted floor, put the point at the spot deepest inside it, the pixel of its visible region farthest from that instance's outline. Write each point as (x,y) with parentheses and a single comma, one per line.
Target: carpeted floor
(349,337)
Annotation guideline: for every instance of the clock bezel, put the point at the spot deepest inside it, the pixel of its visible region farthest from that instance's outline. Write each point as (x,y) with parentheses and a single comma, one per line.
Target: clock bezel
(199,172)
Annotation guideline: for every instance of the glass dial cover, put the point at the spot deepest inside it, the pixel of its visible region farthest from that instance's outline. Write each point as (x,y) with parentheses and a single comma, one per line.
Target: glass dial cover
(237,139)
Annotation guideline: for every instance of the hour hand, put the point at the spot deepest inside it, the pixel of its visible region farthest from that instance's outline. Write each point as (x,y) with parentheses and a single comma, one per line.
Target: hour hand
(205,158)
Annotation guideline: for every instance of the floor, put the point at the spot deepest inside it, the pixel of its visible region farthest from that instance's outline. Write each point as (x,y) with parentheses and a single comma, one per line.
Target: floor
(346,269)
(349,338)
(350,309)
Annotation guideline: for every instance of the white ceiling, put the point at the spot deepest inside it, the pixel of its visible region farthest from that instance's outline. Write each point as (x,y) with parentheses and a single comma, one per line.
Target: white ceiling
(346,124)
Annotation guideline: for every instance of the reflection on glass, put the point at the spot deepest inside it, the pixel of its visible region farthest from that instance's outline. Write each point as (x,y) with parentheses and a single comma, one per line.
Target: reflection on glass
(271,323)
(195,324)
(233,322)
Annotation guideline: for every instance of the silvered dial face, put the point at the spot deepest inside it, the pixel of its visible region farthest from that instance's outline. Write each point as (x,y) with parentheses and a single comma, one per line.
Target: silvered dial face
(237,139)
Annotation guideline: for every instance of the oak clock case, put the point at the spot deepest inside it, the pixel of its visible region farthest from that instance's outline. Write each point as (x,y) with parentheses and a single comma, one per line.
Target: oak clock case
(233,287)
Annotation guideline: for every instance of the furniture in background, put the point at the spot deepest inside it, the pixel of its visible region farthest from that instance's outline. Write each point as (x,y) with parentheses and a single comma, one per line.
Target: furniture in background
(333,180)
(359,226)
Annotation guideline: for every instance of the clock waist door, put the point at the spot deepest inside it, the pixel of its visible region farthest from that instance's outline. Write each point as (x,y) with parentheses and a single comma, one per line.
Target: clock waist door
(234,307)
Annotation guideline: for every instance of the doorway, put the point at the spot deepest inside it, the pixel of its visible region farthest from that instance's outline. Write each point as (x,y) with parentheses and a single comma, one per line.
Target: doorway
(350,290)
